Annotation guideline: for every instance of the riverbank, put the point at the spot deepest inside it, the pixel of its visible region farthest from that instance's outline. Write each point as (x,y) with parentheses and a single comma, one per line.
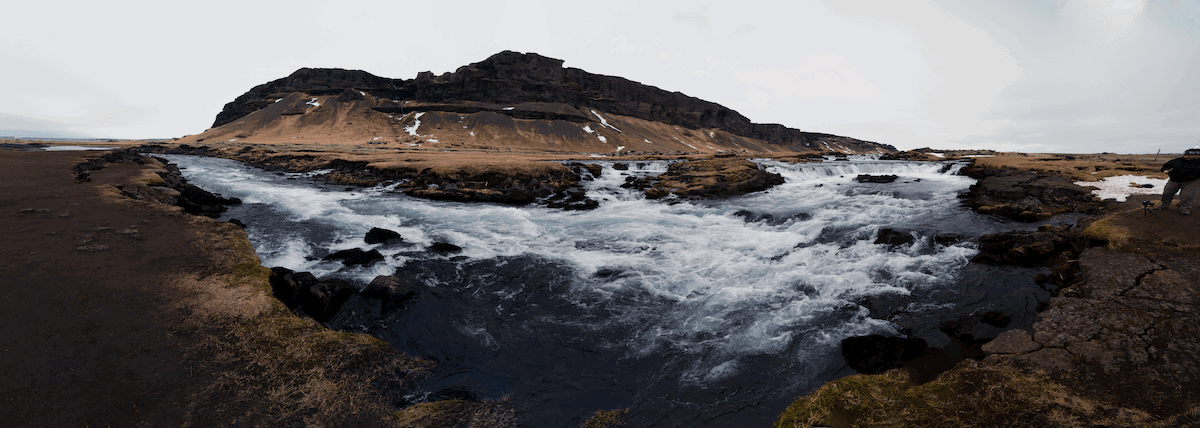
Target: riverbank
(129,313)
(1116,346)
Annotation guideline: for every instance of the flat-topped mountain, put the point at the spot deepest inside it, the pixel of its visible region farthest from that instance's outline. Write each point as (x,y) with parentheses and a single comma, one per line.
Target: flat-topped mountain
(509,101)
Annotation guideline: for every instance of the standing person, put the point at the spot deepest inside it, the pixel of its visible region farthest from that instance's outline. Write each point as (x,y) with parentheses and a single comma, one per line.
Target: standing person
(1185,179)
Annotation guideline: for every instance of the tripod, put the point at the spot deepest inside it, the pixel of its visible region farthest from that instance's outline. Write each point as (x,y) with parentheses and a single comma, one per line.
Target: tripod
(1145,210)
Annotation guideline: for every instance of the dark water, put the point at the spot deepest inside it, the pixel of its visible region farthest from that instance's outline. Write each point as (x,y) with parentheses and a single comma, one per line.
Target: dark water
(689,314)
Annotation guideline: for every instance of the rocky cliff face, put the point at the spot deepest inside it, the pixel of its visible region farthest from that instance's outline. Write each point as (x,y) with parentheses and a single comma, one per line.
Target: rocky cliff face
(510,78)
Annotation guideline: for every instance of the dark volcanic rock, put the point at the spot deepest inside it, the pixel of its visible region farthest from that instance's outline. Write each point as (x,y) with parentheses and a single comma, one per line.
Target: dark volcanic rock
(356,257)
(384,295)
(947,238)
(444,248)
(323,299)
(305,294)
(894,237)
(1023,248)
(1128,327)
(868,178)
(383,236)
(1026,195)
(286,284)
(388,287)
(325,81)
(877,354)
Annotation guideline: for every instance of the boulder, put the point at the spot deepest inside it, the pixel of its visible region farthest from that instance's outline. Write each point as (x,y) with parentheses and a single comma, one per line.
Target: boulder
(584,205)
(868,178)
(877,353)
(1027,196)
(1022,248)
(390,291)
(444,248)
(383,236)
(947,239)
(286,284)
(305,294)
(323,299)
(894,237)
(356,257)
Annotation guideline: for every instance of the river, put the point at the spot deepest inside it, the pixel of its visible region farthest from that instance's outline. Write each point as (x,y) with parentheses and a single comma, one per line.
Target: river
(713,313)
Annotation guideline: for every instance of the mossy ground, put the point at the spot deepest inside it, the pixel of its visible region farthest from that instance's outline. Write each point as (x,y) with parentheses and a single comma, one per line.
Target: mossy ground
(456,413)
(607,419)
(970,395)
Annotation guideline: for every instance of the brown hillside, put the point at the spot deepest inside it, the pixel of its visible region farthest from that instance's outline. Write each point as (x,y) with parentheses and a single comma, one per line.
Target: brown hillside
(510,101)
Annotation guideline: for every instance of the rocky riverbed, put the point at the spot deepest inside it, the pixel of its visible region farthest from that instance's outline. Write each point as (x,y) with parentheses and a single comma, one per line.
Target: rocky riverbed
(1116,346)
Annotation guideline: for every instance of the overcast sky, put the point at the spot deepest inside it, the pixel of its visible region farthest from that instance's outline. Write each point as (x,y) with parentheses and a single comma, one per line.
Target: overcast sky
(1075,76)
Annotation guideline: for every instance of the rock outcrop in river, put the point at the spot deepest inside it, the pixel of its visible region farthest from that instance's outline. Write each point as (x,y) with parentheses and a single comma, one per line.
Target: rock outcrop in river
(1027,196)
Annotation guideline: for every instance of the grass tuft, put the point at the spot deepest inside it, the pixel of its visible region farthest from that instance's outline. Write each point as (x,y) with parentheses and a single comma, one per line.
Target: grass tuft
(607,419)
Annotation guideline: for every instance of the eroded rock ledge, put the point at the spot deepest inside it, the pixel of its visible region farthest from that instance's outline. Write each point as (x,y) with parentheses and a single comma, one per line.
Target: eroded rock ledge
(548,183)
(708,178)
(1128,328)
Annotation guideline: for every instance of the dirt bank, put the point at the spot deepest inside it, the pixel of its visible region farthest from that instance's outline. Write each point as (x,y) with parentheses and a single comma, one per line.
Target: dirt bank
(128,313)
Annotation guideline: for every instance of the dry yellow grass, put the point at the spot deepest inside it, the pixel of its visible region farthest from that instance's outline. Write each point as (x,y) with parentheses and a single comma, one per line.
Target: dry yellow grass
(1085,167)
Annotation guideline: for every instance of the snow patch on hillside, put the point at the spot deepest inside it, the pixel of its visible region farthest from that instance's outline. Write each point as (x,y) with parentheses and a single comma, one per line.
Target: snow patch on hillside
(605,122)
(412,129)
